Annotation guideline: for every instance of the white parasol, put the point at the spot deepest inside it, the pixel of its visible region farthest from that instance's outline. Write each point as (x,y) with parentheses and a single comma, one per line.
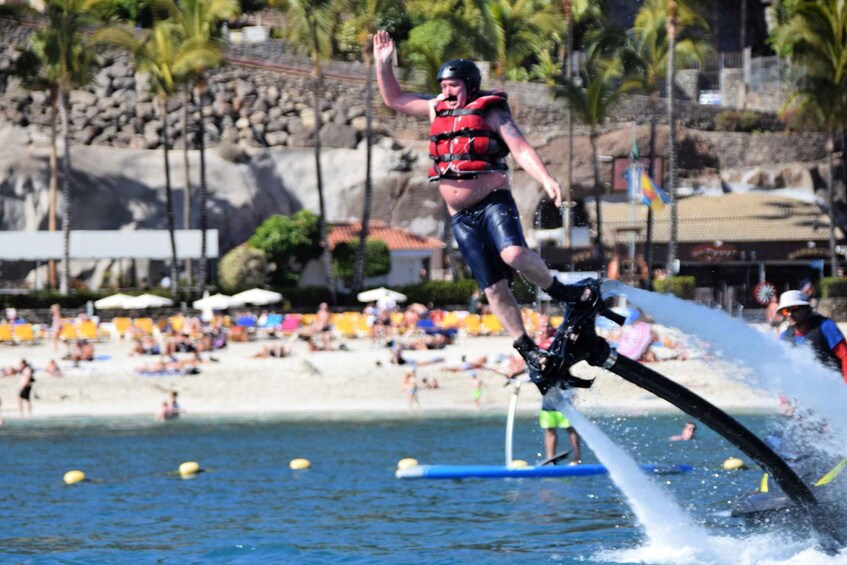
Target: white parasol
(258,296)
(147,301)
(216,302)
(112,301)
(376,294)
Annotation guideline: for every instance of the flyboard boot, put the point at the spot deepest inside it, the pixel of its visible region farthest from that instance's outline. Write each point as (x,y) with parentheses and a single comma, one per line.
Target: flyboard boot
(548,368)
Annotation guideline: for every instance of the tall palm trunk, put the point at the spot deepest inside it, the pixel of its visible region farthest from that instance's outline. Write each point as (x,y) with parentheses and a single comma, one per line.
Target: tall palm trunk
(169,200)
(833,259)
(359,273)
(648,244)
(598,243)
(186,195)
(674,231)
(204,195)
(54,179)
(64,284)
(326,256)
(566,212)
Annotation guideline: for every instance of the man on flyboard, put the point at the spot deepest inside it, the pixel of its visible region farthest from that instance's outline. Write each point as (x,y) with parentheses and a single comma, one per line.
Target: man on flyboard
(471,133)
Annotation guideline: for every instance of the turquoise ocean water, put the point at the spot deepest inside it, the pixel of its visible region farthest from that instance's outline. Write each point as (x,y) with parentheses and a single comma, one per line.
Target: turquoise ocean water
(249,507)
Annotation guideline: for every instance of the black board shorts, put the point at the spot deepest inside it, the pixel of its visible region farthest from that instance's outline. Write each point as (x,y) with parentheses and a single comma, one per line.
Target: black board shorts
(483,231)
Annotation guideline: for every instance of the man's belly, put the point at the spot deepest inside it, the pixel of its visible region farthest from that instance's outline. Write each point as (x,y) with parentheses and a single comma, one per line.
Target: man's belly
(461,194)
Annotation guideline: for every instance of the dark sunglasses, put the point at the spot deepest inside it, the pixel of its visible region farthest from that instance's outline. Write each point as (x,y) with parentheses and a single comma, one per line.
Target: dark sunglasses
(790,309)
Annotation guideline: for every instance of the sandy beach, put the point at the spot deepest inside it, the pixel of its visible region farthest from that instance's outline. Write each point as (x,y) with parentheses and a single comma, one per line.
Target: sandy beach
(339,383)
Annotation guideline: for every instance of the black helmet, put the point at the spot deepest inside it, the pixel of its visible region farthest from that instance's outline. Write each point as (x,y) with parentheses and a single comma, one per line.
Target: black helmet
(461,69)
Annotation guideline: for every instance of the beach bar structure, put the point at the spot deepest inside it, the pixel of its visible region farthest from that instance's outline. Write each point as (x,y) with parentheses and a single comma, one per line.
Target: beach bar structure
(729,242)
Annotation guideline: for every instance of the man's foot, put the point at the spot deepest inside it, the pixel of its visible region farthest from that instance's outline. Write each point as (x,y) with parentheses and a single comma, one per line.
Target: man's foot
(571,294)
(535,358)
(575,462)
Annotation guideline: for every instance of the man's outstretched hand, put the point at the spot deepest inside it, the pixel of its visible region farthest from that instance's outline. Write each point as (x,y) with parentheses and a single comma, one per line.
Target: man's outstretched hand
(383,46)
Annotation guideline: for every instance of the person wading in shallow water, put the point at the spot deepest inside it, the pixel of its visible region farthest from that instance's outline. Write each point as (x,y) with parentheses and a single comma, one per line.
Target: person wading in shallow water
(471,133)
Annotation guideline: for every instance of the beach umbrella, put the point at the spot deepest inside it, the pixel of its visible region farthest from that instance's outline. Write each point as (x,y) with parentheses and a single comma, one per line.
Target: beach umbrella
(146,301)
(376,294)
(216,302)
(112,301)
(258,296)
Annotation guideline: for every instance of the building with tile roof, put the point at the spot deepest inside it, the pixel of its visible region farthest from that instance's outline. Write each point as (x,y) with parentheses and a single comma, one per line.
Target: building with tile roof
(411,254)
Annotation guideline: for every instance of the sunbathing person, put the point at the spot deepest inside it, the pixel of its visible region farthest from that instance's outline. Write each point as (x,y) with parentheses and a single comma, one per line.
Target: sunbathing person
(169,365)
(472,365)
(279,351)
(81,350)
(53,369)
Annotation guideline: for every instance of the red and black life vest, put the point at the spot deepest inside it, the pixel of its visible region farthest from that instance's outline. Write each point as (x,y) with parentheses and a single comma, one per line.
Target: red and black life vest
(461,144)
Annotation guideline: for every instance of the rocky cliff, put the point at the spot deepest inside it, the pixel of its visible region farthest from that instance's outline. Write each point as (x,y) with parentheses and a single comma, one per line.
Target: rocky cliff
(258,123)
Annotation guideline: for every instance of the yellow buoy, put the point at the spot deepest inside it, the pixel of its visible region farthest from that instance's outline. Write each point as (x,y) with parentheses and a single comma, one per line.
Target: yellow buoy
(519,464)
(189,468)
(406,463)
(73,477)
(299,464)
(733,464)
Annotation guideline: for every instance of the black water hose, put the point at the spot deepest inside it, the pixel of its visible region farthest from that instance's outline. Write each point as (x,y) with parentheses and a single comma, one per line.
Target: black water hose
(735,433)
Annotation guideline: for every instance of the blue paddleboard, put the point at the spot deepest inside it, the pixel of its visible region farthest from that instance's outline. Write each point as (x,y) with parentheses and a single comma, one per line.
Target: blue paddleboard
(501,472)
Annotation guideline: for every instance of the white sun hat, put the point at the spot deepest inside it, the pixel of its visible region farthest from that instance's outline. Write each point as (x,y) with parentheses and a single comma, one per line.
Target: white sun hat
(792,298)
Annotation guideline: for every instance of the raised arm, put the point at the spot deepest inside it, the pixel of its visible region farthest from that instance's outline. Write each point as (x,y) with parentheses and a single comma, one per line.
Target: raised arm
(525,155)
(392,93)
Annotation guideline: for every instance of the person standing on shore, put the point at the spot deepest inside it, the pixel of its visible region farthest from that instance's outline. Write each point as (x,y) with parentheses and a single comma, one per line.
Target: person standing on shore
(410,388)
(472,131)
(25,388)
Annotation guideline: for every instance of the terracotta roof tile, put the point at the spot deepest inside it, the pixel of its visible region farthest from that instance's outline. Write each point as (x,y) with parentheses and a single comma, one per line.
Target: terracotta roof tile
(396,238)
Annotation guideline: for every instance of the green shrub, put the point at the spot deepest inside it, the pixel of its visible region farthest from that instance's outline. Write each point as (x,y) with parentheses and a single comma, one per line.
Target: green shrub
(290,243)
(441,293)
(833,287)
(744,121)
(683,287)
(377,259)
(242,268)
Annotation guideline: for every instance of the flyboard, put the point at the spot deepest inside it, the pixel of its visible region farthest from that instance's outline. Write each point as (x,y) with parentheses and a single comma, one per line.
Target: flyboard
(576,340)
(544,469)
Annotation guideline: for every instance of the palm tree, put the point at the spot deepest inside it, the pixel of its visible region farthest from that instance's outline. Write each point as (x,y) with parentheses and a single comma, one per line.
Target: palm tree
(815,35)
(368,22)
(592,99)
(198,20)
(66,63)
(165,56)
(311,23)
(650,48)
(519,28)
(30,67)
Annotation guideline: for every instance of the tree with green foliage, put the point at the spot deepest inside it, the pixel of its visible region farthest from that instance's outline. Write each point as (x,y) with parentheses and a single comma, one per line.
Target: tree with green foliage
(290,243)
(311,23)
(814,34)
(377,259)
(63,60)
(648,51)
(243,268)
(164,55)
(370,16)
(520,27)
(592,98)
(199,21)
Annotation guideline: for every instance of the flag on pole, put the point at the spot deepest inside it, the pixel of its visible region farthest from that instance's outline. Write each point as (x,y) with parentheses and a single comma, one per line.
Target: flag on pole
(641,187)
(652,195)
